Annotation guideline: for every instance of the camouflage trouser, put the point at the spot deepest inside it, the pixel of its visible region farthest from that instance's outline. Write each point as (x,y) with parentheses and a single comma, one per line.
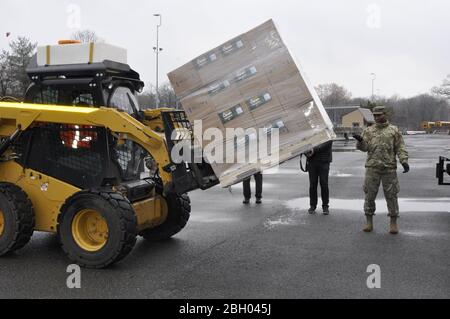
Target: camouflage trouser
(391,187)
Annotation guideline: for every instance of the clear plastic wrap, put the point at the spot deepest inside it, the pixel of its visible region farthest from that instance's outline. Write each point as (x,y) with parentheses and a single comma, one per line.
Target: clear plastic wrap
(250,82)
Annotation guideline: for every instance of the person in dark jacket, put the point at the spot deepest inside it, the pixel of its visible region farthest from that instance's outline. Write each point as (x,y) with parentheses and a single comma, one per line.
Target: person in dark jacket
(248,191)
(319,160)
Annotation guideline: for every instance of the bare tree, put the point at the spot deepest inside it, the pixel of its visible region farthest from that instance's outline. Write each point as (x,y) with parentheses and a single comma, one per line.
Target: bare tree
(147,100)
(411,112)
(167,97)
(333,94)
(86,36)
(444,89)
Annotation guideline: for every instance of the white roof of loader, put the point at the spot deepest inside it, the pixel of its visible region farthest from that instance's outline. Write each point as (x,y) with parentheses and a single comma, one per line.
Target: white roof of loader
(80,53)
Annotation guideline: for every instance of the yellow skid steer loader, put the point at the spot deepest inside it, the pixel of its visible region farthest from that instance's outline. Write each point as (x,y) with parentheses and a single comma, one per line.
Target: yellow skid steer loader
(80,159)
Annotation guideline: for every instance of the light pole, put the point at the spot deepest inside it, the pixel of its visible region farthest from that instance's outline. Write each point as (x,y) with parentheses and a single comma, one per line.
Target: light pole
(157,50)
(374,77)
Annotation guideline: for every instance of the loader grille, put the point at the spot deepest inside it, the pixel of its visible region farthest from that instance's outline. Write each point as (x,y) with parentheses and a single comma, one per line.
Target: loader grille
(177,127)
(75,154)
(73,147)
(84,156)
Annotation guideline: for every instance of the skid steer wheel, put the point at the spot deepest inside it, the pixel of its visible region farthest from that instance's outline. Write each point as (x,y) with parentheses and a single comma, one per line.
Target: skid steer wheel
(97,228)
(179,211)
(16,218)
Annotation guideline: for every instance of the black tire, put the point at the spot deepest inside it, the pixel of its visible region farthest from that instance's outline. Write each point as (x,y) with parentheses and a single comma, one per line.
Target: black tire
(17,218)
(179,212)
(121,221)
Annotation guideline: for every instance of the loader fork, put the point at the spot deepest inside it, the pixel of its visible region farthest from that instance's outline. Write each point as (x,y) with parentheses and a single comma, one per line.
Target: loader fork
(186,176)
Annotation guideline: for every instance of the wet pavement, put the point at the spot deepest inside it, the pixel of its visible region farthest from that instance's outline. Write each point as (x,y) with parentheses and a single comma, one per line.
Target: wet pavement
(275,250)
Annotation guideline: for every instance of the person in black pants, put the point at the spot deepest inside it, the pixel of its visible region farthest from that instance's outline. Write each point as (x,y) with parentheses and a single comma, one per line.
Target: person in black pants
(319,160)
(259,188)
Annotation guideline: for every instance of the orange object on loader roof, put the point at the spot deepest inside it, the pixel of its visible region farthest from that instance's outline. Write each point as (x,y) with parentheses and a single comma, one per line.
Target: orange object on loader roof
(64,42)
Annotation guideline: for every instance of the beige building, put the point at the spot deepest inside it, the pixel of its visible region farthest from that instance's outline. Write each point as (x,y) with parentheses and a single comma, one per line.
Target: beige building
(358,118)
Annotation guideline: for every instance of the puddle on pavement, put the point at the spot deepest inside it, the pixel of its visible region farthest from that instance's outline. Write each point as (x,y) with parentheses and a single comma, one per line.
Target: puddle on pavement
(423,163)
(339,174)
(237,189)
(298,214)
(232,213)
(203,219)
(421,233)
(282,171)
(291,219)
(406,204)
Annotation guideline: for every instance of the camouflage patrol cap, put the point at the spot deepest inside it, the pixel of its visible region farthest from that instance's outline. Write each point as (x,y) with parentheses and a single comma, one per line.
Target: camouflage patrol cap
(379,110)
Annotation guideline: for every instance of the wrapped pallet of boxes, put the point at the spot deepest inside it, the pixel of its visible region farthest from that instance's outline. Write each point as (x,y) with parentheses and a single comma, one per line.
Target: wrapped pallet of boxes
(252,81)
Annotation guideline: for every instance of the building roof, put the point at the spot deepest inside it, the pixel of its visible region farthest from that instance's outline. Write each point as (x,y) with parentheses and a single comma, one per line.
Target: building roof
(336,112)
(366,113)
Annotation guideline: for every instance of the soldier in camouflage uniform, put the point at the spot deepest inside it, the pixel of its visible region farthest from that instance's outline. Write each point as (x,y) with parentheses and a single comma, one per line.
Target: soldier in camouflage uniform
(384,143)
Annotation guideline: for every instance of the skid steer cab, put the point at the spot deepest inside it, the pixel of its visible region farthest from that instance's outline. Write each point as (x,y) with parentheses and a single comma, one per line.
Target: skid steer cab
(81,159)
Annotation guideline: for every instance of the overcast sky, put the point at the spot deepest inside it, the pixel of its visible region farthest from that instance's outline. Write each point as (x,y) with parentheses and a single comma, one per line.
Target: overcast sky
(406,43)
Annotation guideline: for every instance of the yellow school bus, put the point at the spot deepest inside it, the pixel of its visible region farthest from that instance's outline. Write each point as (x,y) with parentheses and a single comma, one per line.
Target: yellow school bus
(428,125)
(442,124)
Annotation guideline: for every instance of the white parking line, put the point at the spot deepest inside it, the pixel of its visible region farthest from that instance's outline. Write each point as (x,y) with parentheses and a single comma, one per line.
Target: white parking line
(406,204)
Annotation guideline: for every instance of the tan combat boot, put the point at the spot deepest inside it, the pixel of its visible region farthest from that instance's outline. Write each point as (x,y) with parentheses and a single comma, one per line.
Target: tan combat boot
(369,225)
(393,229)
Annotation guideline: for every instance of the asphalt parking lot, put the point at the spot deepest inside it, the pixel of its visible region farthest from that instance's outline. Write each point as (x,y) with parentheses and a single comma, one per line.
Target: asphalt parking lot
(275,250)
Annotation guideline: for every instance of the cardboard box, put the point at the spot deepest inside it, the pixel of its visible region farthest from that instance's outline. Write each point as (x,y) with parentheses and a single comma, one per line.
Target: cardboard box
(242,118)
(186,80)
(223,61)
(252,82)
(255,86)
(263,103)
(226,99)
(211,121)
(292,91)
(281,67)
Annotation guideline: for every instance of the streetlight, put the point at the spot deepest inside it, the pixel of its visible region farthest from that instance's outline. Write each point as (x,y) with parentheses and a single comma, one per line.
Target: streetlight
(374,77)
(157,50)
